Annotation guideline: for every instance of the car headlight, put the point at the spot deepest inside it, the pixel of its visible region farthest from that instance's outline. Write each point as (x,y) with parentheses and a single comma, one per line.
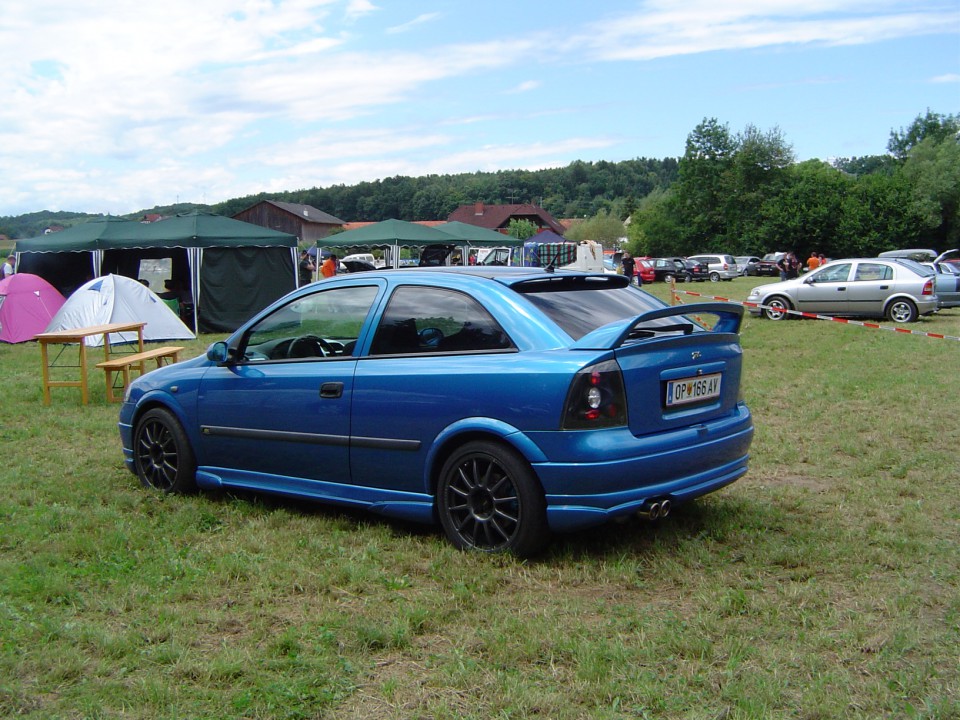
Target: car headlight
(753,294)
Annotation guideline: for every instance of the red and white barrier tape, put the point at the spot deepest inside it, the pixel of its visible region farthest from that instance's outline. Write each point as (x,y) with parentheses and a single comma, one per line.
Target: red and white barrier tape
(815,316)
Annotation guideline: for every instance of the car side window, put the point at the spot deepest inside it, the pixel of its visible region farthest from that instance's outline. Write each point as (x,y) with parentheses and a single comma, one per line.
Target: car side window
(836,273)
(873,271)
(323,324)
(436,320)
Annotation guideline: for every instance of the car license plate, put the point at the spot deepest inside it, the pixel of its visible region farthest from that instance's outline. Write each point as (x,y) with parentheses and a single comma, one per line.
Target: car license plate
(694,389)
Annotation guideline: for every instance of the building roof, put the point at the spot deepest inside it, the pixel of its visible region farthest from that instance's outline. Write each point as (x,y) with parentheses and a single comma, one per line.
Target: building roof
(307,213)
(358,225)
(493,217)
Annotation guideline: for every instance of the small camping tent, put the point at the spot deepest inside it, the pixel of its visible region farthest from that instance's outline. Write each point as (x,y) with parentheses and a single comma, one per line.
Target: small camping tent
(115,298)
(27,304)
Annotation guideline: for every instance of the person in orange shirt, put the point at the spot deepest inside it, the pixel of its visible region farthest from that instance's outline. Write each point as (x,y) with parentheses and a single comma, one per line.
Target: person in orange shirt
(329,267)
(813,262)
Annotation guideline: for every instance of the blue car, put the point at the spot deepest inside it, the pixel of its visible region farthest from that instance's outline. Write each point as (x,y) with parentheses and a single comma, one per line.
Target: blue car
(504,403)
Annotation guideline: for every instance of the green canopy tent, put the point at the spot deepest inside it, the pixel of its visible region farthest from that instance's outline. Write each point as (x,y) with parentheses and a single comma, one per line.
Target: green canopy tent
(228,268)
(395,234)
(69,258)
(391,234)
(477,236)
(233,268)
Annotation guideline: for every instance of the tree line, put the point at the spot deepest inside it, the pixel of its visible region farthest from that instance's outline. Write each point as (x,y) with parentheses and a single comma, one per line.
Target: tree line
(744,193)
(741,193)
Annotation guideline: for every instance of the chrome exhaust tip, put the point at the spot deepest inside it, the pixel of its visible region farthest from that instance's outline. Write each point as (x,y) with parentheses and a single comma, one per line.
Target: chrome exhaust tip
(664,508)
(650,511)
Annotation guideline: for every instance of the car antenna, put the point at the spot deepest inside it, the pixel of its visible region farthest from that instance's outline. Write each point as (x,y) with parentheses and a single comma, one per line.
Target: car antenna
(552,265)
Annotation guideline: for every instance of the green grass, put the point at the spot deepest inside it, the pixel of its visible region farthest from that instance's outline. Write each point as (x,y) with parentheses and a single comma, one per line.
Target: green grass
(824,584)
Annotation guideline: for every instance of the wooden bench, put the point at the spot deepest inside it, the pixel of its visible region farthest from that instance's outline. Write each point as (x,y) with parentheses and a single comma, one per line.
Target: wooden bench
(123,364)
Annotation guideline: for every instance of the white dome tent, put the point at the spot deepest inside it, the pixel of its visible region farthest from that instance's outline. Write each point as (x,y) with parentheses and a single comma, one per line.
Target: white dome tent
(115,298)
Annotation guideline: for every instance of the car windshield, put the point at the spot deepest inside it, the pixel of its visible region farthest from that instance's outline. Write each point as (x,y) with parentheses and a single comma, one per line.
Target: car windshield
(581,305)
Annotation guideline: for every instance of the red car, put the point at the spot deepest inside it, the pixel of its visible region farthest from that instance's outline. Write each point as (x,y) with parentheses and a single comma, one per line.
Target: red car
(645,270)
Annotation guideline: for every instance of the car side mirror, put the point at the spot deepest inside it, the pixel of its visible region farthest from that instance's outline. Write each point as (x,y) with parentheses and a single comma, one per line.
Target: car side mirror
(218,352)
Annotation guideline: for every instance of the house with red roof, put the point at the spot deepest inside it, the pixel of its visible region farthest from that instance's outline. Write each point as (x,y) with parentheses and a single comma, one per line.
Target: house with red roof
(498,217)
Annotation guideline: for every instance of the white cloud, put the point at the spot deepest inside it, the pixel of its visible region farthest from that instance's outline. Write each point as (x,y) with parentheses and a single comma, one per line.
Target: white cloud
(419,20)
(523,87)
(948,78)
(664,28)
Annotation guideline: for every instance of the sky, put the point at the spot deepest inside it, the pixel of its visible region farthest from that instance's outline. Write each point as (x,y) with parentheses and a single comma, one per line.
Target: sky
(117,106)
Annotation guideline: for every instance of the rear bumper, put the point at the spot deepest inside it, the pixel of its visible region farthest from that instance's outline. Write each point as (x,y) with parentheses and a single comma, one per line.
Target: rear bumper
(615,476)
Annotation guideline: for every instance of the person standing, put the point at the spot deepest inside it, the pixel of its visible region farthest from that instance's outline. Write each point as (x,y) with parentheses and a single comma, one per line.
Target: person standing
(813,262)
(329,267)
(629,266)
(9,266)
(307,268)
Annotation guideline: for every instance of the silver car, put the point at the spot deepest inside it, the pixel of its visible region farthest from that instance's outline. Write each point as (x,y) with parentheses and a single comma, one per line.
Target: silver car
(899,290)
(720,267)
(947,283)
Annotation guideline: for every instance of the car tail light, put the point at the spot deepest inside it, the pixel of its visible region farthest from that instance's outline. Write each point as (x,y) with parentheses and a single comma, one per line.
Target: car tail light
(928,287)
(596,398)
(726,267)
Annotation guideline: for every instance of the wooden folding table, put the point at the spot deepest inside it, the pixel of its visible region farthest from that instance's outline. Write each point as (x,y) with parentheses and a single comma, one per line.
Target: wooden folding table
(77,336)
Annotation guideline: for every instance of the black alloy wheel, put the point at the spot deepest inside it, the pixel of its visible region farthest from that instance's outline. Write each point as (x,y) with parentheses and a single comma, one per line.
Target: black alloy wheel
(489,500)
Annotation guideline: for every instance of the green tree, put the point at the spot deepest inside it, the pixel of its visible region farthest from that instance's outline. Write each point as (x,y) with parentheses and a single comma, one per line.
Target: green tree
(603,228)
(934,126)
(932,170)
(522,229)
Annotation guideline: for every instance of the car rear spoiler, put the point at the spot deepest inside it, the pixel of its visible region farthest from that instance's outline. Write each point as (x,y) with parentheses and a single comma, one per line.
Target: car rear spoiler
(613,335)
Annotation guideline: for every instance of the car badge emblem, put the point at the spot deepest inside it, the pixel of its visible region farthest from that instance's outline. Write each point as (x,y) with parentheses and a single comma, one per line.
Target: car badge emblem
(695,355)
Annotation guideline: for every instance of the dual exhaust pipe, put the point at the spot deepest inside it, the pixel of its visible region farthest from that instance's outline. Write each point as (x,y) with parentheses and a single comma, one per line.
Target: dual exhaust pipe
(655,509)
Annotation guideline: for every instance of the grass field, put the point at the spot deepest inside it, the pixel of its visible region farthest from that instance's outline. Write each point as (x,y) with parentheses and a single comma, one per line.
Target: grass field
(824,584)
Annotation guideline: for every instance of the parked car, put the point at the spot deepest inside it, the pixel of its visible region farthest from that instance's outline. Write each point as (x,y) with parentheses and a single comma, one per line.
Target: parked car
(946,283)
(900,290)
(645,270)
(503,402)
(767,266)
(744,263)
(719,267)
(679,269)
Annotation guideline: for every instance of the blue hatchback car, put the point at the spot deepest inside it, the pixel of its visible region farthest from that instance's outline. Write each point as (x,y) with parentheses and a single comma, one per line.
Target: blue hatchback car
(505,403)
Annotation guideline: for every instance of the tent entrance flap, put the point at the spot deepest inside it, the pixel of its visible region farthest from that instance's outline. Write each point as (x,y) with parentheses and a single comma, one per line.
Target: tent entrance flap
(238,282)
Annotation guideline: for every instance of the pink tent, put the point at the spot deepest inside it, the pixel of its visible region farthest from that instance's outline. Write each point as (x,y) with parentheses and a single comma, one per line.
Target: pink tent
(27,303)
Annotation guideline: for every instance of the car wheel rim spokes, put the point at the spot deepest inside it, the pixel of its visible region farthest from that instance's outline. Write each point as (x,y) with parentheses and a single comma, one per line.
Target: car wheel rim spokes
(900,313)
(483,504)
(157,455)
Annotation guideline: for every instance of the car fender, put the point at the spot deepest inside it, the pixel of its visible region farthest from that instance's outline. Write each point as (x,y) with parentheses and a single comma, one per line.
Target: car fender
(474,426)
(906,296)
(161,397)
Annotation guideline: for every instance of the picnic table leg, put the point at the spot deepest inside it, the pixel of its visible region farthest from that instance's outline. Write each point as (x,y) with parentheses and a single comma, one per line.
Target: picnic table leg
(83,372)
(46,373)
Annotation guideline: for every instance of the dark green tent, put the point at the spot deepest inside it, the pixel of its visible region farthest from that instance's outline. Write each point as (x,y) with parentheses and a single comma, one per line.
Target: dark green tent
(68,258)
(230,269)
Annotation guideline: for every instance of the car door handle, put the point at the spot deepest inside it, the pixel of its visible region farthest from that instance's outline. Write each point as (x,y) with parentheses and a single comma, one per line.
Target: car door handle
(331,390)
(841,289)
(884,287)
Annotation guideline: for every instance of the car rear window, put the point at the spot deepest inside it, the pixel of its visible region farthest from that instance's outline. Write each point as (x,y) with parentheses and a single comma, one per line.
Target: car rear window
(579,305)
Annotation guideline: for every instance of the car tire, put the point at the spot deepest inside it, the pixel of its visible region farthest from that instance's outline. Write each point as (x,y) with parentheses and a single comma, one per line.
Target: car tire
(162,455)
(714,277)
(901,310)
(489,499)
(775,308)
